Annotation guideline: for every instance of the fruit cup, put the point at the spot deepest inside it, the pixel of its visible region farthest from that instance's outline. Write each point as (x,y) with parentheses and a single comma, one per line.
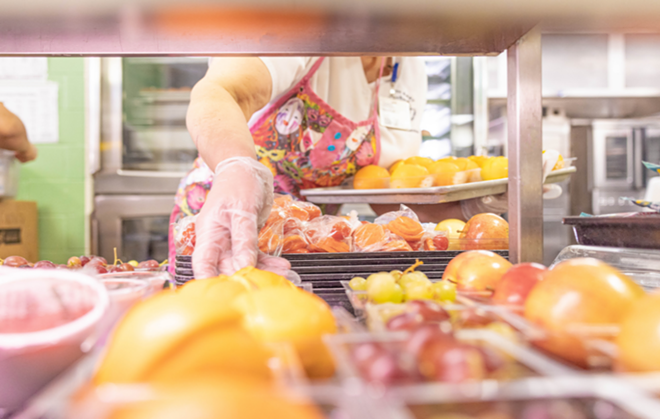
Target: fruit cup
(411,361)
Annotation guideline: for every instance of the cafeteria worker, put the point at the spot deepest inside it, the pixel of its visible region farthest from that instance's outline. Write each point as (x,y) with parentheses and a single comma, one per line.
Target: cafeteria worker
(283,124)
(13,136)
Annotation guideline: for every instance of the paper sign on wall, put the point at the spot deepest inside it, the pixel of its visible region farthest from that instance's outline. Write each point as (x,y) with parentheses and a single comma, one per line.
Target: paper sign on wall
(23,68)
(36,104)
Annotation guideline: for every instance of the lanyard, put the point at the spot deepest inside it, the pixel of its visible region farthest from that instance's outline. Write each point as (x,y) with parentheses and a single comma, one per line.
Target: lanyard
(395,76)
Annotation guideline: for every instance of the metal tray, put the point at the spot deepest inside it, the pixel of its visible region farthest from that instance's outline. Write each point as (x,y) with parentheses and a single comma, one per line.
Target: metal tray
(641,230)
(434,195)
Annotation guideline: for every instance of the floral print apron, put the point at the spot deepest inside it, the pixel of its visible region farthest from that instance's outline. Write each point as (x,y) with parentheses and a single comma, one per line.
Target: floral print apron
(302,140)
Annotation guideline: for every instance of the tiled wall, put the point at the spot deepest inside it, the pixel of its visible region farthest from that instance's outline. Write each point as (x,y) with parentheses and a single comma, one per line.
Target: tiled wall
(56,180)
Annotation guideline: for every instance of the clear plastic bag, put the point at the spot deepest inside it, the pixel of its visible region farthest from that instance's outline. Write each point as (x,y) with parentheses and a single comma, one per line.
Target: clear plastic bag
(184,236)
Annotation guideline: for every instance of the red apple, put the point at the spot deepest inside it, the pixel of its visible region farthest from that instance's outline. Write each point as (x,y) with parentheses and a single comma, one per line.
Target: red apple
(482,227)
(477,270)
(16,261)
(517,282)
(579,292)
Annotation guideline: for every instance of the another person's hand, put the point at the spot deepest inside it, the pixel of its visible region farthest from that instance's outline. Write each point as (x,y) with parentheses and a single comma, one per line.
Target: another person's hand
(27,155)
(227,227)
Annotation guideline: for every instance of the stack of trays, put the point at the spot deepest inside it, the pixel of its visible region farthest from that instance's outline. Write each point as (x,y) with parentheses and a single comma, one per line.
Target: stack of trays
(183,271)
(326,270)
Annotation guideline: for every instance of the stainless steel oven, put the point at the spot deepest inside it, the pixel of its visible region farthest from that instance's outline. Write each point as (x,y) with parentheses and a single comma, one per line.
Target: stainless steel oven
(135,225)
(145,146)
(619,147)
(145,149)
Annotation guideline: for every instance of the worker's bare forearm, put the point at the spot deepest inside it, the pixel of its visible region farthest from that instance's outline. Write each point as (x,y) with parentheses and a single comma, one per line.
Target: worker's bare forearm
(221,105)
(218,125)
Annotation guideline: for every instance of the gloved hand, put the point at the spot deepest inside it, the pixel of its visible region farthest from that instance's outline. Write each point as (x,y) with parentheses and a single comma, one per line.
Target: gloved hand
(499,204)
(227,227)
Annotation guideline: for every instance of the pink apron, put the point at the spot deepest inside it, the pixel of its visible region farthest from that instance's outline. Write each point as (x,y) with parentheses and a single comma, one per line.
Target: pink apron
(302,140)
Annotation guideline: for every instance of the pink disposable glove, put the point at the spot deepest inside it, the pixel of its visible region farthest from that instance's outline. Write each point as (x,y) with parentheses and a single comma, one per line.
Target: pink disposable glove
(228,225)
(499,204)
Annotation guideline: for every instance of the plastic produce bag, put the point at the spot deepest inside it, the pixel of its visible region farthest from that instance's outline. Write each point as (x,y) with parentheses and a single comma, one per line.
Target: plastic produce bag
(184,236)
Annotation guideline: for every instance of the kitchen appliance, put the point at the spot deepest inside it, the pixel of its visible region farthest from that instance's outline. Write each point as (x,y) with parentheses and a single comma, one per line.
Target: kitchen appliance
(145,150)
(618,149)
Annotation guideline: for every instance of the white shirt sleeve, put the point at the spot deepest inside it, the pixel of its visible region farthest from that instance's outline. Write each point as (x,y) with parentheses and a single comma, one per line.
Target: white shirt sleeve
(411,86)
(285,72)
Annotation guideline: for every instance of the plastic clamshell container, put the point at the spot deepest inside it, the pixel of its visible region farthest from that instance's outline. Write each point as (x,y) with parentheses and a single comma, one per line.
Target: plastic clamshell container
(29,360)
(478,244)
(639,230)
(57,400)
(520,361)
(463,317)
(8,174)
(155,279)
(584,397)
(642,265)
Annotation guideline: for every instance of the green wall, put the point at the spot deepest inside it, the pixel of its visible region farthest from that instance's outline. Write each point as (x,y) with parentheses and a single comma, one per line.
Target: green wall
(56,179)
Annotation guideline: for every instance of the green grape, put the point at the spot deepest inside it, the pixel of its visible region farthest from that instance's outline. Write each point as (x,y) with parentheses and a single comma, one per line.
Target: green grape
(380,275)
(382,290)
(396,274)
(358,284)
(444,291)
(418,291)
(413,278)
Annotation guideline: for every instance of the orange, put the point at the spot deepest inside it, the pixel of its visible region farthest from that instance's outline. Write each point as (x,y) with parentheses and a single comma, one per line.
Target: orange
(579,293)
(479,160)
(395,165)
(448,158)
(445,173)
(173,334)
(410,176)
(420,161)
(279,314)
(371,177)
(639,339)
(495,168)
(260,279)
(465,164)
(559,164)
(203,396)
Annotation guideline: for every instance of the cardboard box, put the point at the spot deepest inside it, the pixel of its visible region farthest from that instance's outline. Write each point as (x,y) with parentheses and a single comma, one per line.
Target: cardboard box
(19,235)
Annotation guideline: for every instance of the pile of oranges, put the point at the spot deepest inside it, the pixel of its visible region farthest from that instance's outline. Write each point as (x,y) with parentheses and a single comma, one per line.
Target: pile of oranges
(299,227)
(422,172)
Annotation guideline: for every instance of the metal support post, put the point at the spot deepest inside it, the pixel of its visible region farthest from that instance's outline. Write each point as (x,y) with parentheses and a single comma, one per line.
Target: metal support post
(524,149)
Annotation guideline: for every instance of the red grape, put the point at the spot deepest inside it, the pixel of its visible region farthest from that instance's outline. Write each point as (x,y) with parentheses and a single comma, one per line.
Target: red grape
(74,262)
(404,321)
(96,262)
(44,264)
(16,261)
(149,264)
(125,267)
(429,310)
(441,242)
(84,260)
(424,335)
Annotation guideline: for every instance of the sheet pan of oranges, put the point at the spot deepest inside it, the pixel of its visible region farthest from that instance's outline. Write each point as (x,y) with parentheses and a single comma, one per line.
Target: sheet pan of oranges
(421,180)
